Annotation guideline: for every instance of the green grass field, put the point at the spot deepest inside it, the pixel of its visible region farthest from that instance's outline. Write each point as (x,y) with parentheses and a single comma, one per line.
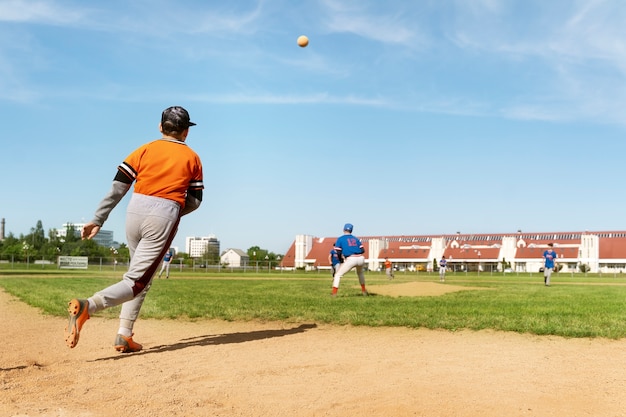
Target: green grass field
(574,306)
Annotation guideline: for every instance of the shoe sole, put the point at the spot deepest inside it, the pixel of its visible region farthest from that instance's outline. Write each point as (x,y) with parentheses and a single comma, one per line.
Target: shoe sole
(78,316)
(125,347)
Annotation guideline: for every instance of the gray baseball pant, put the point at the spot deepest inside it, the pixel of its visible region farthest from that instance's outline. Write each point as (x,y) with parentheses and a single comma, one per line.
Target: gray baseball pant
(151,224)
(547,273)
(354,261)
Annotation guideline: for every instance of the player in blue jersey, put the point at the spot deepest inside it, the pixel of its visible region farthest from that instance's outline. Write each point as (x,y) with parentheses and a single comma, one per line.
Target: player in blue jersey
(167,260)
(333,258)
(349,249)
(549,256)
(443,266)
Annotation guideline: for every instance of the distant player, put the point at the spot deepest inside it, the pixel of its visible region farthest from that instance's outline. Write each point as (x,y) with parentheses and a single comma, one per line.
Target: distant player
(443,266)
(350,249)
(388,269)
(167,260)
(334,260)
(549,256)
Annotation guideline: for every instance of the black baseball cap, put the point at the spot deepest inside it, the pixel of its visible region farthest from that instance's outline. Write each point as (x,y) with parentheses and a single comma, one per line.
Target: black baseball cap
(175,118)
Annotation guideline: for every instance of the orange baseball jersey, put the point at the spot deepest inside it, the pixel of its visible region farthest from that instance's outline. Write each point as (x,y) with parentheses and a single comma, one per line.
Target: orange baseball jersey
(387,264)
(164,168)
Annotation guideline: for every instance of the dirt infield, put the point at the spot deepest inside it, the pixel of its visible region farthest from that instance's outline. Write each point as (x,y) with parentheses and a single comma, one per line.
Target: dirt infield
(419,289)
(214,368)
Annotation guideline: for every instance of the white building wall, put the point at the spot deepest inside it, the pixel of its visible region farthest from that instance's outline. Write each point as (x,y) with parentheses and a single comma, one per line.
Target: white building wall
(507,252)
(527,264)
(304,244)
(373,250)
(437,249)
(231,258)
(589,252)
(196,246)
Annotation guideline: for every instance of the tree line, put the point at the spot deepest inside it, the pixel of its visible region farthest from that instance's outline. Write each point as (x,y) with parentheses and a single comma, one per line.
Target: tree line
(36,245)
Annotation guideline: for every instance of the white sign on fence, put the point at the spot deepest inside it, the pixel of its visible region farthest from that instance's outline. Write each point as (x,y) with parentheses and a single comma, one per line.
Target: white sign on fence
(73,262)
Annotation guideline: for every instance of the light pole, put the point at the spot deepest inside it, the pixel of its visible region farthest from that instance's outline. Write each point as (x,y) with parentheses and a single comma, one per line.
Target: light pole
(269,264)
(26,247)
(114,252)
(278,261)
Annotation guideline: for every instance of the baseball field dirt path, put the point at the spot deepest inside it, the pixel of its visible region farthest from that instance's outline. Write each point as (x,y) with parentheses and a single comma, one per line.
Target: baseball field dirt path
(215,368)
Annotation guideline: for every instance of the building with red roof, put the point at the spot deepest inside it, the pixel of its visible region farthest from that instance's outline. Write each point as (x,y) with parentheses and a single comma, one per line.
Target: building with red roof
(594,252)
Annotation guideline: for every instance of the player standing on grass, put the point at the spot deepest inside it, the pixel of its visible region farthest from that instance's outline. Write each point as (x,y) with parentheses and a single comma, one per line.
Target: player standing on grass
(443,265)
(168,185)
(167,261)
(350,249)
(388,270)
(334,260)
(549,256)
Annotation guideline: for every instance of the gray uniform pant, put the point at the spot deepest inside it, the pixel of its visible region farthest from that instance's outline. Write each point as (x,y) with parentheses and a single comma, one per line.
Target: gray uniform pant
(165,267)
(354,261)
(547,273)
(151,224)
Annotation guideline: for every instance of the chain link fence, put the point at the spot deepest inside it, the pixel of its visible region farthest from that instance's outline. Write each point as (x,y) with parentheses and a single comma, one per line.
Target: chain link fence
(116,263)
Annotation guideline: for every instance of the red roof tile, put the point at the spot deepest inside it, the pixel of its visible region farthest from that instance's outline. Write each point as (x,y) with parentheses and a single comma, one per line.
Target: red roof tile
(612,246)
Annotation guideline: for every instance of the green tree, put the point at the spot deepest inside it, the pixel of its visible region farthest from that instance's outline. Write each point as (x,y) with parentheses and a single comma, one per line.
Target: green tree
(88,247)
(263,257)
(38,235)
(12,248)
(33,243)
(255,253)
(123,253)
(70,234)
(505,264)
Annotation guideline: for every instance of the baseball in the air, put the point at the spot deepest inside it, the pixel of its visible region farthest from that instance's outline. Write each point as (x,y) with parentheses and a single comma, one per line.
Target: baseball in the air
(303,41)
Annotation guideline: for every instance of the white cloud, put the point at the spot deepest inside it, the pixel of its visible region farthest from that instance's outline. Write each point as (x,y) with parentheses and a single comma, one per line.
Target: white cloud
(583,29)
(575,49)
(268,98)
(33,11)
(141,17)
(347,17)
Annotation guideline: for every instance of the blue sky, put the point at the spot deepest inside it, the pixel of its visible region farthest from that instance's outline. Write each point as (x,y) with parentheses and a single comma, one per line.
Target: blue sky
(401,117)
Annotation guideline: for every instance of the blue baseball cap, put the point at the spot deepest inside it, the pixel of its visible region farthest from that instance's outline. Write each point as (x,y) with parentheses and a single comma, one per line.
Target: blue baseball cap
(348,227)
